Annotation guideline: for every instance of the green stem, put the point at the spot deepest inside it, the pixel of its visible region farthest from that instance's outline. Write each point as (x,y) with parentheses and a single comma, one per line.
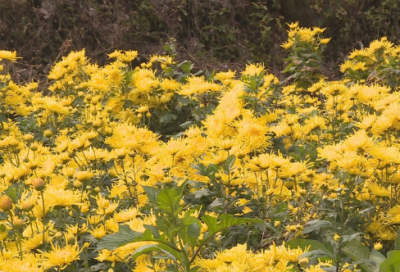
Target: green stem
(44,216)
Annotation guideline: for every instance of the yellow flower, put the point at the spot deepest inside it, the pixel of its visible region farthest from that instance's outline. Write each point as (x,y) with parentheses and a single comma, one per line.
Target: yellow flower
(377,246)
(170,85)
(225,77)
(61,198)
(29,262)
(128,56)
(287,44)
(336,237)
(35,241)
(247,210)
(142,109)
(324,41)
(8,55)
(83,176)
(114,54)
(126,215)
(98,232)
(293,25)
(52,105)
(60,257)
(253,69)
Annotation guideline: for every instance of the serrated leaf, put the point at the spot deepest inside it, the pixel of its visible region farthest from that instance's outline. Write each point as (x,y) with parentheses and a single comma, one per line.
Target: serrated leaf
(225,221)
(167,117)
(152,193)
(211,223)
(201,193)
(216,203)
(184,101)
(169,199)
(124,236)
(357,252)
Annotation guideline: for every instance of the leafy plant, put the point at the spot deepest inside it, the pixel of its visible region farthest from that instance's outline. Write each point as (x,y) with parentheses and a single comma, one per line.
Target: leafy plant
(176,234)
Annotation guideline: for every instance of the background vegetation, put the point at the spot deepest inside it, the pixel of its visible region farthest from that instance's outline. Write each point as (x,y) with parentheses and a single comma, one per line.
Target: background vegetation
(212,34)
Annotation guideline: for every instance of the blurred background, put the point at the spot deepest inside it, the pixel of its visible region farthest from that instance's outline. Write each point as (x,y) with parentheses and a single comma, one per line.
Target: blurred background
(214,34)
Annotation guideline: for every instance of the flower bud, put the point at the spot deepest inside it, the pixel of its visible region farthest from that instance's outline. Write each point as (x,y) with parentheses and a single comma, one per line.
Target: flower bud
(5,203)
(18,223)
(38,184)
(48,133)
(77,184)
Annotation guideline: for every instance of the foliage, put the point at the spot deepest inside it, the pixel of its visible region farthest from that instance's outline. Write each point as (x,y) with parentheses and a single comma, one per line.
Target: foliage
(209,34)
(176,233)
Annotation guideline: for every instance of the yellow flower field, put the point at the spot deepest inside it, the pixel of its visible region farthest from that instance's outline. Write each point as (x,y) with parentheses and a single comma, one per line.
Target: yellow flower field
(154,168)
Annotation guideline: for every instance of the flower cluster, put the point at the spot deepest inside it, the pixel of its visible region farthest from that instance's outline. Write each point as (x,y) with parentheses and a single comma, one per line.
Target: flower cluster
(317,161)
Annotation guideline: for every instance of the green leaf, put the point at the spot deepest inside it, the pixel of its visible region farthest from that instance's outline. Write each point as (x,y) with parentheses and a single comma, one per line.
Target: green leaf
(225,221)
(167,117)
(200,193)
(3,119)
(152,193)
(145,249)
(314,255)
(124,236)
(315,226)
(169,199)
(186,66)
(358,252)
(193,233)
(208,171)
(216,203)
(11,192)
(311,244)
(3,228)
(184,101)
(186,124)
(195,269)
(211,223)
(377,258)
(392,263)
(397,242)
(348,238)
(154,231)
(230,161)
(170,252)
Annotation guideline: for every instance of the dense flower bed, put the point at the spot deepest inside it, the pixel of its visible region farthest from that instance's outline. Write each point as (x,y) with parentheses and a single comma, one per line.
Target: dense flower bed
(154,168)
